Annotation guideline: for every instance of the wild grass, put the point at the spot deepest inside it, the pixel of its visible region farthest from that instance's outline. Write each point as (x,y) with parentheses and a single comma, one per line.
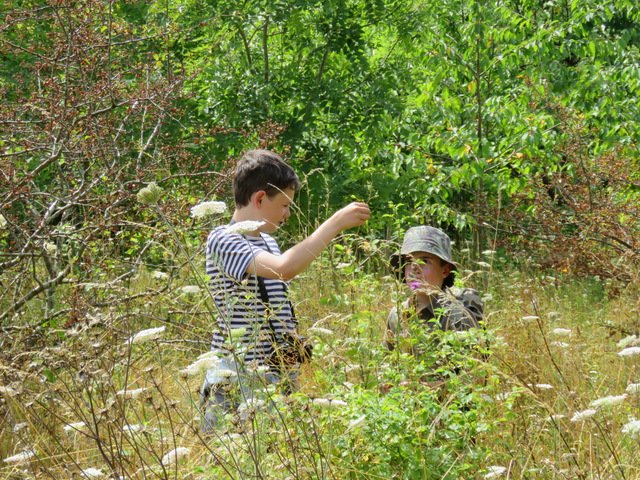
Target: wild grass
(78,400)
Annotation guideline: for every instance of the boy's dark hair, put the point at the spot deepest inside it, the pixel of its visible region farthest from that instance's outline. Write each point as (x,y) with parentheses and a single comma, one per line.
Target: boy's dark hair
(262,170)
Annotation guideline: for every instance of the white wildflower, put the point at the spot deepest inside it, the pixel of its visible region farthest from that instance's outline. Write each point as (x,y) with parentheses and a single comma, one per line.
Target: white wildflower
(560,344)
(609,401)
(553,314)
(8,391)
(205,209)
(251,404)
(627,341)
(495,471)
(529,318)
(488,253)
(583,415)
(201,365)
(561,332)
(633,388)
(256,368)
(74,427)
(357,422)
(20,426)
(190,289)
(227,373)
(483,264)
(557,417)
(159,275)
(629,352)
(92,473)
(147,335)
(487,297)
(543,386)
(174,455)
(131,429)
(248,226)
(134,393)
(632,428)
(3,221)
(328,403)
(50,248)
(320,330)
(20,458)
(209,354)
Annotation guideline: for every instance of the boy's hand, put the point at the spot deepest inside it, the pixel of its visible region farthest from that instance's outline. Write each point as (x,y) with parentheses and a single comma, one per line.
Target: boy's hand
(353,215)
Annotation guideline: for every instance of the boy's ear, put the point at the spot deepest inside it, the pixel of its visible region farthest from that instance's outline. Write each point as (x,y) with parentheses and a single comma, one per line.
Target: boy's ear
(257,197)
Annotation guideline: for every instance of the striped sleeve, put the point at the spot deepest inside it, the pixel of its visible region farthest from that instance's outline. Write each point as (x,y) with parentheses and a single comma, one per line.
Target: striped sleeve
(231,253)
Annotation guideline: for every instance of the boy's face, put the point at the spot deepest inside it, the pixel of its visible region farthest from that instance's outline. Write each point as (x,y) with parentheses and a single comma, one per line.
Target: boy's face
(425,269)
(275,210)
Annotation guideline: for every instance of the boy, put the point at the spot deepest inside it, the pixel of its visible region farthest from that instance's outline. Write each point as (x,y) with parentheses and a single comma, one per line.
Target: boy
(426,267)
(249,275)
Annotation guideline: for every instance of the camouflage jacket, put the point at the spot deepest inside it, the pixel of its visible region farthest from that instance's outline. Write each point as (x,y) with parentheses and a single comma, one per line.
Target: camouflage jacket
(454,309)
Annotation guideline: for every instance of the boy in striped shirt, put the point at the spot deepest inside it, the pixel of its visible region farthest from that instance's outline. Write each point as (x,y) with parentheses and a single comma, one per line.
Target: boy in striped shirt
(249,279)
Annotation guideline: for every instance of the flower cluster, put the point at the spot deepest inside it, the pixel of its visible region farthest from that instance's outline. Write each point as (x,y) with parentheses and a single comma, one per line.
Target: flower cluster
(583,415)
(206,209)
(248,226)
(146,335)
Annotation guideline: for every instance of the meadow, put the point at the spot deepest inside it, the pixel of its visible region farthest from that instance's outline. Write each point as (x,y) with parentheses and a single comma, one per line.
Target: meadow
(548,390)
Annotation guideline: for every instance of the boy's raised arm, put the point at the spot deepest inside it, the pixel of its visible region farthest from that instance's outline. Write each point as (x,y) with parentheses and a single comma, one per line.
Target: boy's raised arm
(299,257)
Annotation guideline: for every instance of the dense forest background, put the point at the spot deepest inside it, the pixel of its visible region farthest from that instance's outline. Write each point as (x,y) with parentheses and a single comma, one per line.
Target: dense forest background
(516,120)
(511,124)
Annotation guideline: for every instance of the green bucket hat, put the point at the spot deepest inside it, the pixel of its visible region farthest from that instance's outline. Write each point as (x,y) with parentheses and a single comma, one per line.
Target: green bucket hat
(424,239)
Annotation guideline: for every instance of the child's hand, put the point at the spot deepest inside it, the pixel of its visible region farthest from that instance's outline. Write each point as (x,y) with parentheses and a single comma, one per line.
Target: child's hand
(353,215)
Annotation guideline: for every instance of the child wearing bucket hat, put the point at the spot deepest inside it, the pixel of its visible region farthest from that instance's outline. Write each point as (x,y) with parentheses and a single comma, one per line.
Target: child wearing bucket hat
(425,265)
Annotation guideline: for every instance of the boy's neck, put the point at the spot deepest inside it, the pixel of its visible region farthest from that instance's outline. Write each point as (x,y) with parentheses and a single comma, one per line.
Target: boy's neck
(244,214)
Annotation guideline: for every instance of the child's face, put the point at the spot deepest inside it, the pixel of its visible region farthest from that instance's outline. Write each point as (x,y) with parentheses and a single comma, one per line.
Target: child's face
(275,210)
(425,269)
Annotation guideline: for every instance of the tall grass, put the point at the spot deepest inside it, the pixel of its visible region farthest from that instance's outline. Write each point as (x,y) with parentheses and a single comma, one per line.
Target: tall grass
(79,400)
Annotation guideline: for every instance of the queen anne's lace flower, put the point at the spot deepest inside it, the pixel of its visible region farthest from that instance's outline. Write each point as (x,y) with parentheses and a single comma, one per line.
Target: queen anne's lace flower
(629,352)
(633,388)
(10,392)
(190,289)
(328,403)
(627,341)
(200,366)
(529,318)
(561,332)
(20,458)
(174,455)
(147,335)
(92,473)
(608,401)
(133,393)
(247,226)
(357,422)
(159,275)
(583,415)
(632,428)
(320,330)
(495,471)
(205,209)
(543,386)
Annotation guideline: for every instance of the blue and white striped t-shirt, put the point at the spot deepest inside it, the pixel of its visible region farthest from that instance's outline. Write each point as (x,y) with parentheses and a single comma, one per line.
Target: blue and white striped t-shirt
(237,294)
